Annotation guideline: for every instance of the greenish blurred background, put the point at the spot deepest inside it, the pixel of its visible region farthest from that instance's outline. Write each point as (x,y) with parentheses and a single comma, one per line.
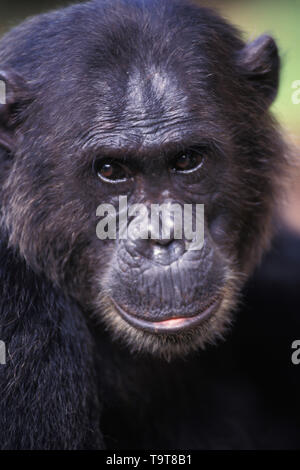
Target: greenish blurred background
(280,18)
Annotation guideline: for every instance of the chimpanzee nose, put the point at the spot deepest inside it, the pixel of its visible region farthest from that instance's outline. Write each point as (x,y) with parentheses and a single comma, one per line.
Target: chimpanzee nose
(164,233)
(163,241)
(160,246)
(166,251)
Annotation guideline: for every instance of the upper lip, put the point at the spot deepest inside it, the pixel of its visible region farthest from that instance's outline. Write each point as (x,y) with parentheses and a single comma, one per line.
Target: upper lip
(172,324)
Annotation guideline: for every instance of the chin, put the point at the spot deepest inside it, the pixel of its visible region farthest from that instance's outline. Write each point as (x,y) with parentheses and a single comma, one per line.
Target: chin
(173,337)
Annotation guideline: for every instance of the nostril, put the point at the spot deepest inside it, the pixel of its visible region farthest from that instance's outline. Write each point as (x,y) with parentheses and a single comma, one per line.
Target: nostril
(163,237)
(166,251)
(162,241)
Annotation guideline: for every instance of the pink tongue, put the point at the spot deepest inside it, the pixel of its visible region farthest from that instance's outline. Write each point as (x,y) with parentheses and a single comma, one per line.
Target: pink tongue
(171,323)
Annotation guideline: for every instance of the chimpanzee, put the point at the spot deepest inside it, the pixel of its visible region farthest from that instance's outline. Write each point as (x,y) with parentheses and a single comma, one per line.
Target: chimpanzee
(163,102)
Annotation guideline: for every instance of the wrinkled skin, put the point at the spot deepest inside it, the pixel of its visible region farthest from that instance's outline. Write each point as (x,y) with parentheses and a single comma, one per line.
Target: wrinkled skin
(143,104)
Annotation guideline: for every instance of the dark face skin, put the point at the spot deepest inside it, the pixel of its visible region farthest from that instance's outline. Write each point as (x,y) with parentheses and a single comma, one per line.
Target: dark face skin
(182,130)
(161,160)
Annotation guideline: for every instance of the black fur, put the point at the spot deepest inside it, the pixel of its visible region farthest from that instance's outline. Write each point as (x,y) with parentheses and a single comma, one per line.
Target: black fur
(49,397)
(67,384)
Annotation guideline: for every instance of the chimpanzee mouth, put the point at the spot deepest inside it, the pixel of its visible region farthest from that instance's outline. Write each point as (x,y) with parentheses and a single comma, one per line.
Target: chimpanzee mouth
(172,324)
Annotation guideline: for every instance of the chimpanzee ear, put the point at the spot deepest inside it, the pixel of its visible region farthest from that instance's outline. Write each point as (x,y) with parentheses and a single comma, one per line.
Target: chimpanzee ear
(13,93)
(260,63)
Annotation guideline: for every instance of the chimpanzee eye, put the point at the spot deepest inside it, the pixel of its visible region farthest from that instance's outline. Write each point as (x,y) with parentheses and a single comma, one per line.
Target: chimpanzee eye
(111,170)
(187,162)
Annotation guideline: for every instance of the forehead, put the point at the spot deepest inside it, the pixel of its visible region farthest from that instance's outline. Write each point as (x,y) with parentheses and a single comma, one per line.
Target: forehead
(143,107)
(153,91)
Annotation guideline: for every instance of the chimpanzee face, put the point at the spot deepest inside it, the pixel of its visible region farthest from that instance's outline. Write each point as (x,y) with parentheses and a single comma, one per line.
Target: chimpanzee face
(180,126)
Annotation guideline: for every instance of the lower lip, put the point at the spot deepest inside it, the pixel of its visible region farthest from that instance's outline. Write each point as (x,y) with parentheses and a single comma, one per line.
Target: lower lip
(172,325)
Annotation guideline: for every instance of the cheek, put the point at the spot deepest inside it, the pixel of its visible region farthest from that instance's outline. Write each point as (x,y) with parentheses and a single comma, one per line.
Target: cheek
(219,228)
